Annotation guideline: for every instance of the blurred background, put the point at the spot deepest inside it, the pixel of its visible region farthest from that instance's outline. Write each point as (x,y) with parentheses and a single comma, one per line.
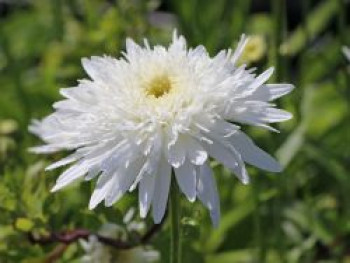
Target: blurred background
(300,215)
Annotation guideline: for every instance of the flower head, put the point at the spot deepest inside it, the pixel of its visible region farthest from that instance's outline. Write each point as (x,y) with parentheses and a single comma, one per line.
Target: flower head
(158,109)
(254,50)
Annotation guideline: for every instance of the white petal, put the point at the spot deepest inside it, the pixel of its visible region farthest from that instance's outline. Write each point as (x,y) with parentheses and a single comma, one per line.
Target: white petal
(239,169)
(122,182)
(92,173)
(195,152)
(186,178)
(198,51)
(143,172)
(84,92)
(260,80)
(207,192)
(89,68)
(101,189)
(271,92)
(71,174)
(118,157)
(161,191)
(69,159)
(35,127)
(275,115)
(178,45)
(229,158)
(96,67)
(177,153)
(72,106)
(223,128)
(253,154)
(149,167)
(132,49)
(49,148)
(118,188)
(146,190)
(239,49)
(255,113)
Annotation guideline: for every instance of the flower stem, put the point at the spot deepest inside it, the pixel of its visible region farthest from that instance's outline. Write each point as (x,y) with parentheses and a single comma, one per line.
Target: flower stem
(261,251)
(175,246)
(279,15)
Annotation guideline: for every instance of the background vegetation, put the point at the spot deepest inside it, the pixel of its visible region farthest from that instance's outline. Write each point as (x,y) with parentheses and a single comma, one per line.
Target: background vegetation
(300,215)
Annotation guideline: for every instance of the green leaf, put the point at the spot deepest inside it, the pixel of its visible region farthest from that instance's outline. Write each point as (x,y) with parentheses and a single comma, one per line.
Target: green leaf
(24,224)
(242,256)
(233,218)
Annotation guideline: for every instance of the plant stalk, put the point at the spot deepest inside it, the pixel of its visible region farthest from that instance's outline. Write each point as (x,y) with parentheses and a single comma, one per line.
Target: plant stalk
(279,8)
(175,214)
(258,224)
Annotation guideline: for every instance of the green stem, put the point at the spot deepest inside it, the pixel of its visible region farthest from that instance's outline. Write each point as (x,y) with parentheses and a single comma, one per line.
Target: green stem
(175,214)
(279,19)
(304,54)
(261,252)
(58,21)
(342,21)
(342,30)
(280,63)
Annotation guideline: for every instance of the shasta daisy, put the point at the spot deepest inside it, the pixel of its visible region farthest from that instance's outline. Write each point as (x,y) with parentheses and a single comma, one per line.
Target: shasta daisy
(156,110)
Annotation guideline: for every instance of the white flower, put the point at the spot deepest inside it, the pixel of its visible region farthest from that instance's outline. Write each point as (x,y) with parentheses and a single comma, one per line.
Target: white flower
(95,251)
(132,224)
(159,109)
(346,52)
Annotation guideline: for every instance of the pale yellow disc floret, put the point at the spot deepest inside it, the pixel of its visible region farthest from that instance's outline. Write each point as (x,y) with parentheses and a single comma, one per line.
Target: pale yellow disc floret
(158,86)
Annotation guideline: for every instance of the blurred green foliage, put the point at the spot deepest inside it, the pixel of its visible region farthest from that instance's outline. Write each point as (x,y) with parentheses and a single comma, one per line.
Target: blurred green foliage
(300,215)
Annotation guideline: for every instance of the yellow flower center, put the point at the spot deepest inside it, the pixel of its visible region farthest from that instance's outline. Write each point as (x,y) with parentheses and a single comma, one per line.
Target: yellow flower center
(159,86)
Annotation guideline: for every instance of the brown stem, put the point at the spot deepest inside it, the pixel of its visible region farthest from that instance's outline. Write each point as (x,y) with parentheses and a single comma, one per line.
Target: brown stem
(68,237)
(152,231)
(56,253)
